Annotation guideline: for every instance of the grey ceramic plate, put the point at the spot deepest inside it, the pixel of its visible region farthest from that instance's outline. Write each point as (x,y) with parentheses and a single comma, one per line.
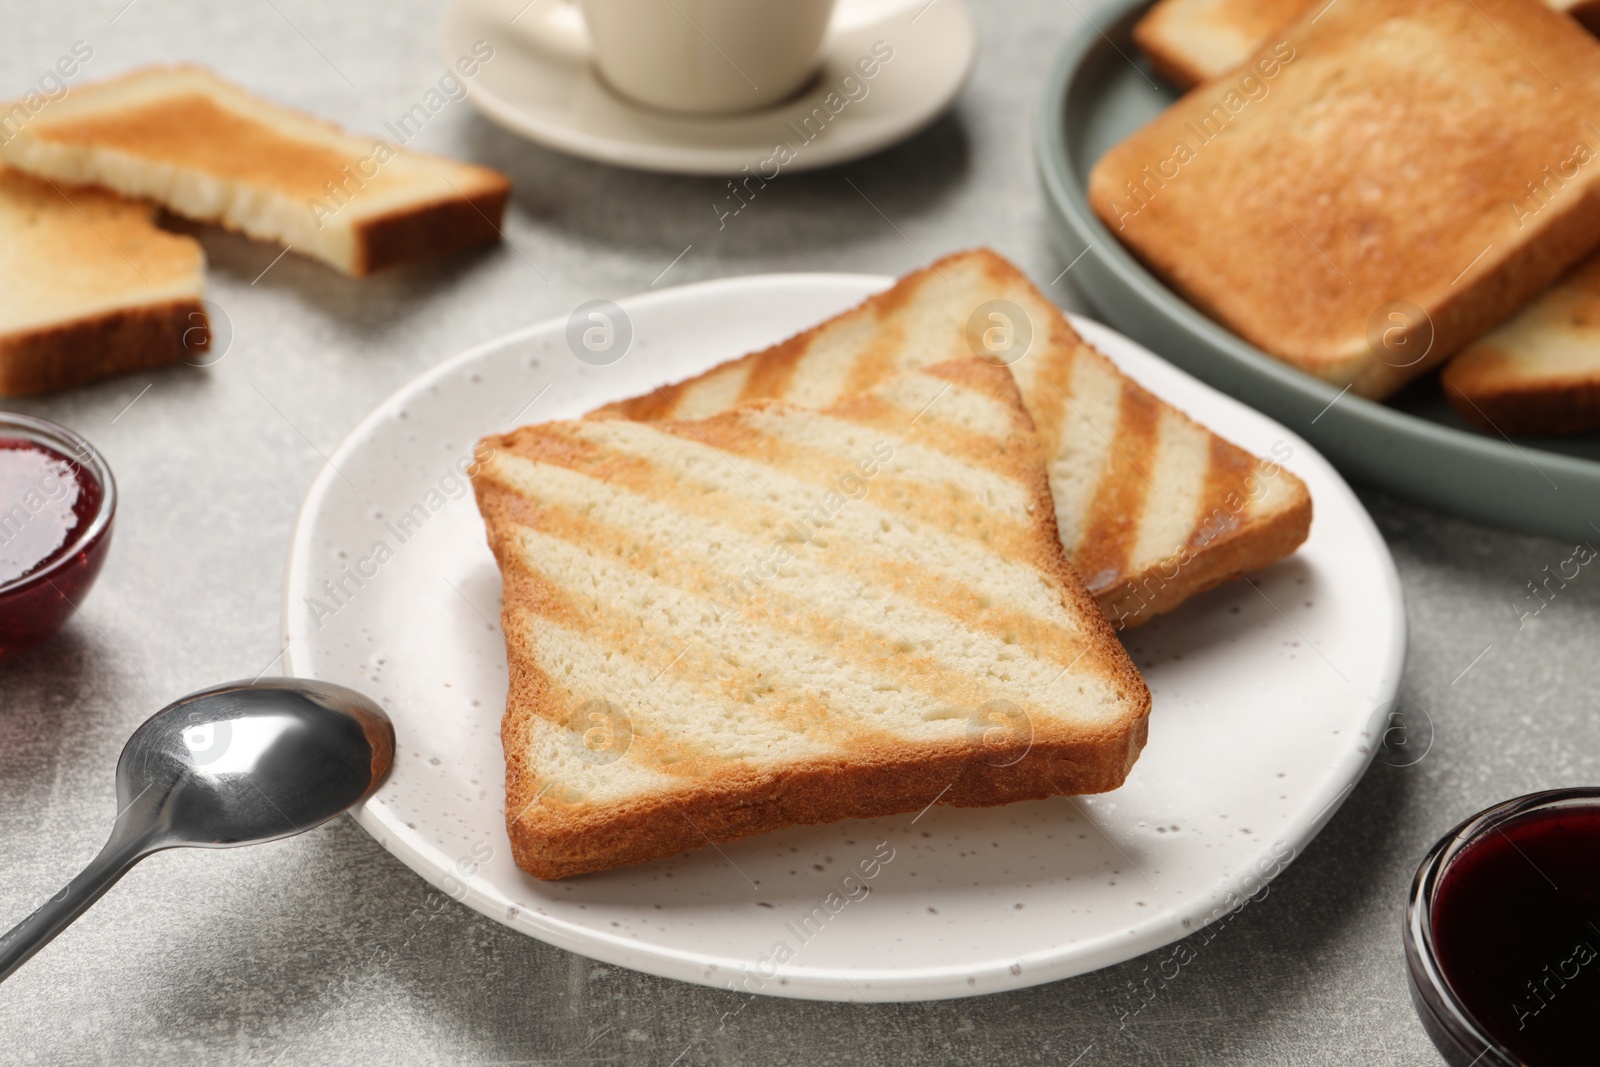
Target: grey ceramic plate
(1415,447)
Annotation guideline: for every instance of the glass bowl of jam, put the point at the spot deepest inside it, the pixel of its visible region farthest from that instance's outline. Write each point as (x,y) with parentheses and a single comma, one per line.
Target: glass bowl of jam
(57,501)
(1502,934)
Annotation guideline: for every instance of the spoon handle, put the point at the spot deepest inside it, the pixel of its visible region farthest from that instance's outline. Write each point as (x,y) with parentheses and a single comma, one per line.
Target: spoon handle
(57,913)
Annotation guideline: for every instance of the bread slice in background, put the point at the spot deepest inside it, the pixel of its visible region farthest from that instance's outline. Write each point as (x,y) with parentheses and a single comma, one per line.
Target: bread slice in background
(1152,507)
(206,149)
(1193,41)
(90,286)
(1539,371)
(1358,200)
(780,615)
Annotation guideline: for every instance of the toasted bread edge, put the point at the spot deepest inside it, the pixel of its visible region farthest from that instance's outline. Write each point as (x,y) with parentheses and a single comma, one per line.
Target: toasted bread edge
(67,354)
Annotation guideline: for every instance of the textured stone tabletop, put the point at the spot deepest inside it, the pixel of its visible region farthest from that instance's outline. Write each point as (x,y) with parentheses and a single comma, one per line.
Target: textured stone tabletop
(324,949)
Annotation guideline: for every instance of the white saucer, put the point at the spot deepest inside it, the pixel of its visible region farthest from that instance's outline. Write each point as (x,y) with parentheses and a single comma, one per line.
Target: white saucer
(562,104)
(1269,700)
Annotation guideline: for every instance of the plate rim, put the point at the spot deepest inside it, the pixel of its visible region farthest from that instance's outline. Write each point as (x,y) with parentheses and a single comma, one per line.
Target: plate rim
(839,984)
(1272,386)
(703,162)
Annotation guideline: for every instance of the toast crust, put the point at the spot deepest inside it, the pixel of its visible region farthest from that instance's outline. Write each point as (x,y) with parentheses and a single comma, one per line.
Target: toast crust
(431,230)
(67,354)
(1301,260)
(1534,410)
(876,774)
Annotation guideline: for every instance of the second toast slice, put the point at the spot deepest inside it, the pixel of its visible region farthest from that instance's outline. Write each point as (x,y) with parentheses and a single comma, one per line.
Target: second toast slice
(1193,41)
(206,149)
(91,286)
(1539,371)
(1152,507)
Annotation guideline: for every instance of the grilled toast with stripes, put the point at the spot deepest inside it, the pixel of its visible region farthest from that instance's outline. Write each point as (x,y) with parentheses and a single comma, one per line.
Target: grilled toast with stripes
(1193,41)
(206,149)
(1539,371)
(90,286)
(1152,507)
(1359,200)
(782,615)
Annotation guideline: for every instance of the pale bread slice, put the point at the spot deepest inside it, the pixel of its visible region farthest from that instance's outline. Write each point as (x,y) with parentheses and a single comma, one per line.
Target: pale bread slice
(1377,202)
(90,286)
(781,615)
(1152,507)
(1539,371)
(1194,41)
(209,150)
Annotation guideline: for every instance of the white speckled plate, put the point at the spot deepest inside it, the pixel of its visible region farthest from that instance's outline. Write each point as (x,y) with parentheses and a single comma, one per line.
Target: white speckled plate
(1268,702)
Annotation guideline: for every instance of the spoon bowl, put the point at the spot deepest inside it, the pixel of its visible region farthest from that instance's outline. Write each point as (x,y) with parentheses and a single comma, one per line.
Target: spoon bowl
(244,763)
(236,764)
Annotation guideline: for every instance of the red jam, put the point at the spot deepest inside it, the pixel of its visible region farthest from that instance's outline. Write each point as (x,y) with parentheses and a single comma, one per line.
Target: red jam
(1516,929)
(47,502)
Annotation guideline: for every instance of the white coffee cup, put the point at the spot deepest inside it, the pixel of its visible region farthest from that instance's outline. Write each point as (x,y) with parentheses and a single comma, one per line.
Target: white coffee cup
(698,56)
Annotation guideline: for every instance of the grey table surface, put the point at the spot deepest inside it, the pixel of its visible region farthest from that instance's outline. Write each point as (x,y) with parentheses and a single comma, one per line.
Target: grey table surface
(324,948)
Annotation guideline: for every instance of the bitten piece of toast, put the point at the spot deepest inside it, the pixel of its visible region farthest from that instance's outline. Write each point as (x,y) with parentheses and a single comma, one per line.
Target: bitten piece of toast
(1152,507)
(780,615)
(1358,200)
(1193,41)
(206,149)
(90,286)
(1538,372)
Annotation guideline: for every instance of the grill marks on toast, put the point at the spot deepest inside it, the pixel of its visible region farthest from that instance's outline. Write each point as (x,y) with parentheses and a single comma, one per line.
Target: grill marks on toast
(1118,507)
(867,666)
(1230,470)
(1135,482)
(743,528)
(637,577)
(592,629)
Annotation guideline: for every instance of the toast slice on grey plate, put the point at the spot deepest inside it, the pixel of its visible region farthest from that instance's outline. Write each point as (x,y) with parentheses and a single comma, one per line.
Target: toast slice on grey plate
(1193,41)
(1539,371)
(206,149)
(782,615)
(1152,507)
(1356,200)
(91,286)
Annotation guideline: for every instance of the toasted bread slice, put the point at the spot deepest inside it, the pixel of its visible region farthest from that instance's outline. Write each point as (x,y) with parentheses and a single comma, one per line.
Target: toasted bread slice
(1355,201)
(1151,506)
(90,286)
(1538,372)
(781,615)
(1193,41)
(206,149)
